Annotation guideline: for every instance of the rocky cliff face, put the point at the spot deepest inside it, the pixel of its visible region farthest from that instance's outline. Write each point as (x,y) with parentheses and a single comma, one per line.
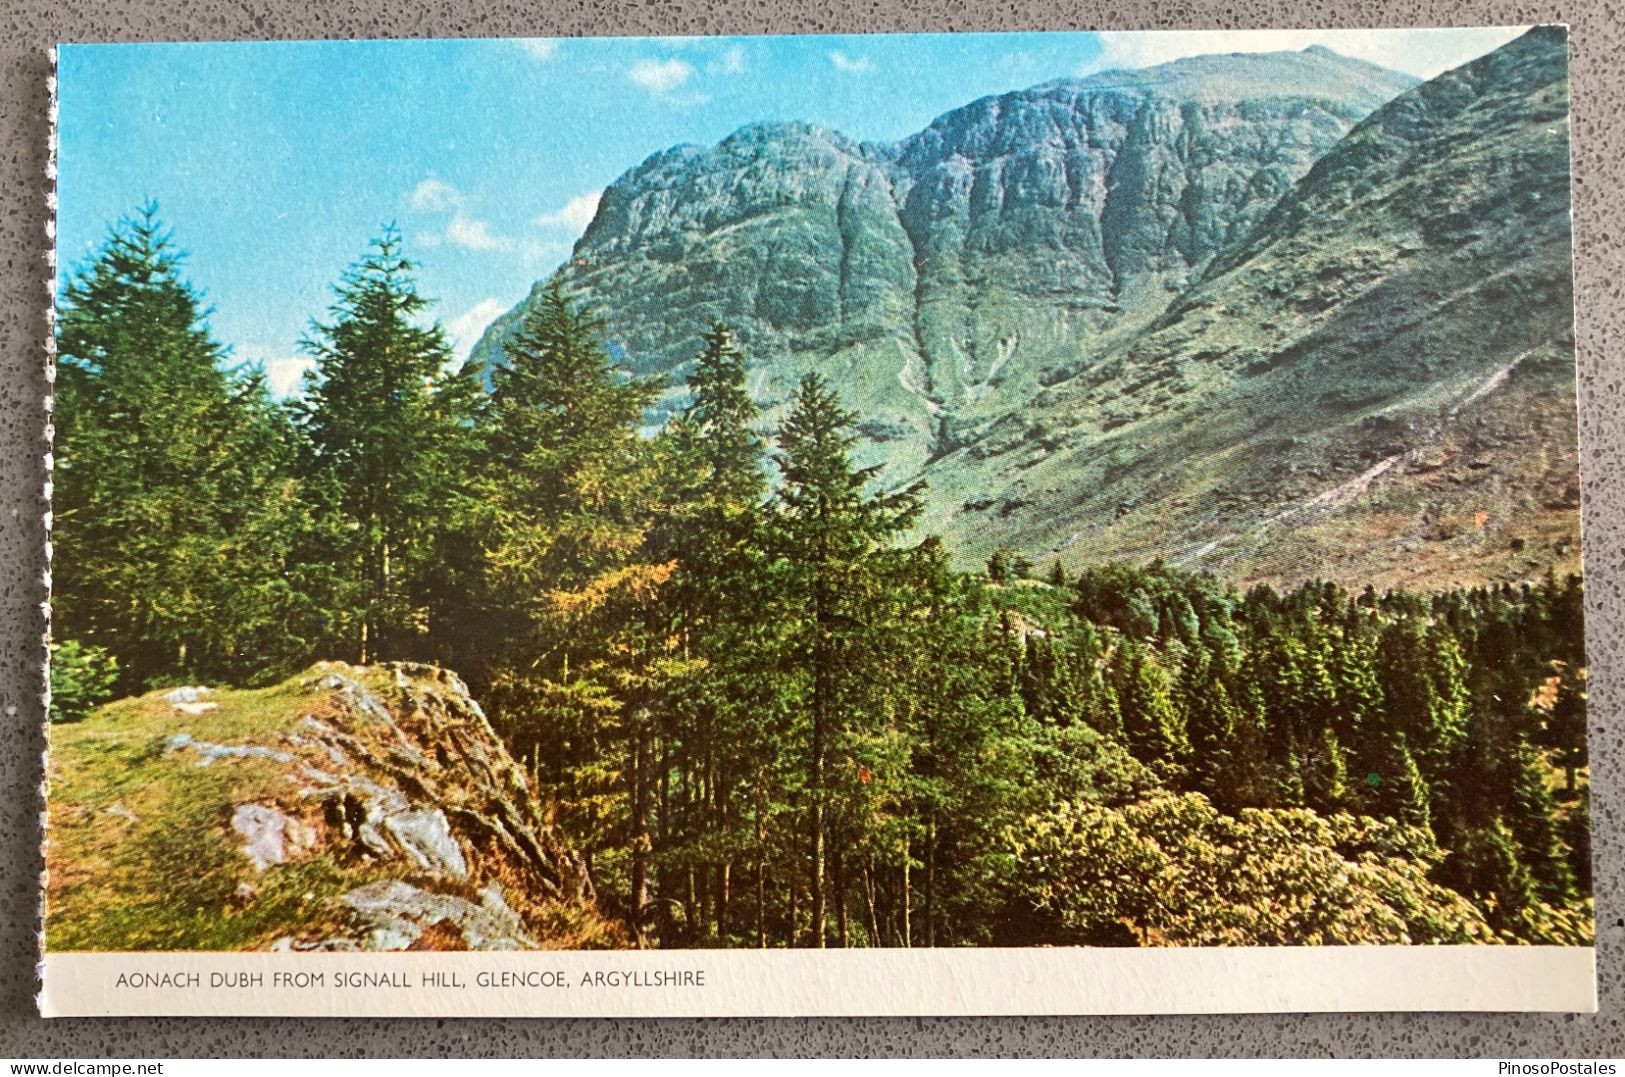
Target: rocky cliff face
(1040,219)
(1376,384)
(349,809)
(937,279)
(1276,315)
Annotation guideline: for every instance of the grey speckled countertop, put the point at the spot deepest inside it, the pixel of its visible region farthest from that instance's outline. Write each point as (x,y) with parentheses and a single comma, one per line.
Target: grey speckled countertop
(29,27)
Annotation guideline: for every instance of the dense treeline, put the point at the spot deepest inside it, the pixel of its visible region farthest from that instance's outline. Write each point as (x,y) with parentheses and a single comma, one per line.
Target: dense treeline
(767,716)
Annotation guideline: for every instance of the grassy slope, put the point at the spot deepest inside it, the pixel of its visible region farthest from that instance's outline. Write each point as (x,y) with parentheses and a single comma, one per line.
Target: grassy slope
(1426,253)
(140,850)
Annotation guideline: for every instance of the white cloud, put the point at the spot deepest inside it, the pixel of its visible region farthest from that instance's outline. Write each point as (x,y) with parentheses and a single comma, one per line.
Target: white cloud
(661,76)
(451,221)
(727,57)
(463,229)
(285,376)
(540,48)
(473,234)
(843,62)
(436,195)
(576,214)
(731,61)
(1423,53)
(464,331)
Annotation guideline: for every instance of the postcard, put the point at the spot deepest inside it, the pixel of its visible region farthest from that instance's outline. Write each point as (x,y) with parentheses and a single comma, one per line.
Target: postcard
(907,524)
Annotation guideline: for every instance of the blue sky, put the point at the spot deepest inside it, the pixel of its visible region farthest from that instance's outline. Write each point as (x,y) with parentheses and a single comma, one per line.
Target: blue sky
(275,163)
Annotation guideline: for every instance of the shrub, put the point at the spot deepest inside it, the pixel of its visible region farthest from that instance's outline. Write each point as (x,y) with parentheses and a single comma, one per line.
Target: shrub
(82,679)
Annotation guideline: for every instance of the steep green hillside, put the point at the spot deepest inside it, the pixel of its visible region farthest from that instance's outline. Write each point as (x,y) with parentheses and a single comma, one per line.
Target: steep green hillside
(1376,385)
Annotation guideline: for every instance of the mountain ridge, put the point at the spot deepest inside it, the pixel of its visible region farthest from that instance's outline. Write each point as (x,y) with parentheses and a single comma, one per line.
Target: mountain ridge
(1417,313)
(888,263)
(1036,267)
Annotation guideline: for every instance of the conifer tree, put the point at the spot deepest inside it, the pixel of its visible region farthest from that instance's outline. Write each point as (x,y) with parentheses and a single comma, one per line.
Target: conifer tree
(1210,722)
(834,536)
(1150,721)
(1565,730)
(725,755)
(1424,691)
(1487,860)
(1565,612)
(1325,773)
(562,476)
(1356,691)
(1532,819)
(970,761)
(1575,826)
(173,491)
(1399,788)
(382,438)
(564,489)
(1092,699)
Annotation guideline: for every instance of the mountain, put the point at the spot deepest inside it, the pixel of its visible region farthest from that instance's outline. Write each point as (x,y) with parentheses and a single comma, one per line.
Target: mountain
(1376,385)
(1277,315)
(367,808)
(938,278)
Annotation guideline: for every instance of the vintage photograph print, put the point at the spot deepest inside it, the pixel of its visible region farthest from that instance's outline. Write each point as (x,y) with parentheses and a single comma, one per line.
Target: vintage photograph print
(1070,521)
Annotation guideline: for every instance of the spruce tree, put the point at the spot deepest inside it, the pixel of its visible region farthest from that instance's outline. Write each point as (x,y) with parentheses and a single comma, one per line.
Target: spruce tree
(970,759)
(1425,697)
(562,480)
(382,439)
(1210,722)
(1325,773)
(173,498)
(1565,730)
(570,598)
(833,536)
(1150,721)
(724,756)
(1532,818)
(1398,787)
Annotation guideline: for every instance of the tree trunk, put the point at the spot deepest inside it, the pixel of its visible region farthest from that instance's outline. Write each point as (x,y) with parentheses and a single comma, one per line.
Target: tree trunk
(820,898)
(931,880)
(908,930)
(820,730)
(660,794)
(724,896)
(640,830)
(841,927)
(690,904)
(761,861)
(869,896)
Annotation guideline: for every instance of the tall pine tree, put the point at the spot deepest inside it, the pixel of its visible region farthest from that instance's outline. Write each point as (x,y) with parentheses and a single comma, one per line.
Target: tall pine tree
(571,643)
(385,447)
(173,500)
(834,536)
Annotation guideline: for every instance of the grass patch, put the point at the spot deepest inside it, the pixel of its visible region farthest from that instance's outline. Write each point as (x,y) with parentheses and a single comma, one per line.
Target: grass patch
(140,848)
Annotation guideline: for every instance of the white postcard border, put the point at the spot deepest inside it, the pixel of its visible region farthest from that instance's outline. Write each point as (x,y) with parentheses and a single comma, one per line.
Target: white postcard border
(778,983)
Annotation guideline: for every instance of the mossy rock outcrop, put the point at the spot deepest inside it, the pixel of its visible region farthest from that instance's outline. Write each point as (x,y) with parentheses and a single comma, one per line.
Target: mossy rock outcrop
(349,808)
